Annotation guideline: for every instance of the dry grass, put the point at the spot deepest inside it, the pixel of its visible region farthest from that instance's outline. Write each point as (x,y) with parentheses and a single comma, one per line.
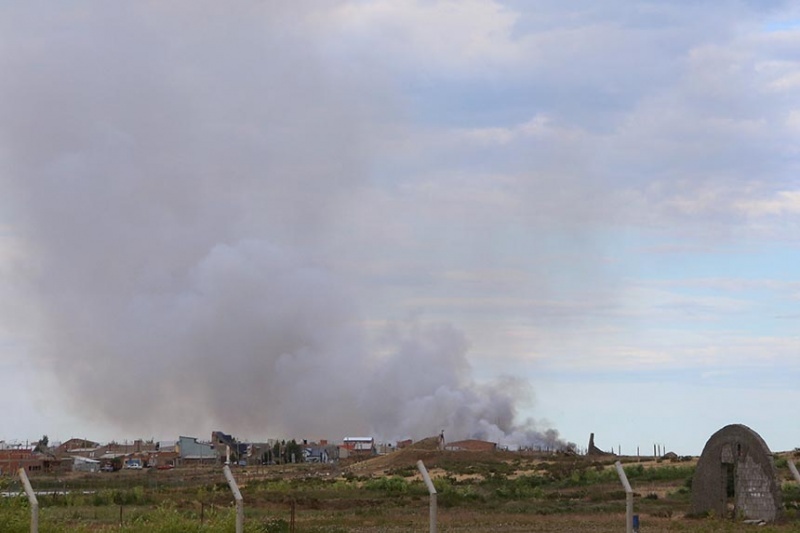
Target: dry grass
(480,492)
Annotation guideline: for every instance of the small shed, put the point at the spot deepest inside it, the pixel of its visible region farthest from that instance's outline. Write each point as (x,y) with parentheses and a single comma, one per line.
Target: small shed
(85,464)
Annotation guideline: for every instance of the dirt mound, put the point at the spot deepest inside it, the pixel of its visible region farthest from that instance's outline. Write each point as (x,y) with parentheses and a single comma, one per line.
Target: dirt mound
(431,443)
(425,450)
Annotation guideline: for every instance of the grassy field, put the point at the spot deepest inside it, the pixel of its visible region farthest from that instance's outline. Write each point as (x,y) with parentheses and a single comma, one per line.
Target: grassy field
(477,492)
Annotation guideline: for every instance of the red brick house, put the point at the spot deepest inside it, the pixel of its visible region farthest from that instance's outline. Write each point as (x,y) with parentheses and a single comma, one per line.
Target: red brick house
(12,459)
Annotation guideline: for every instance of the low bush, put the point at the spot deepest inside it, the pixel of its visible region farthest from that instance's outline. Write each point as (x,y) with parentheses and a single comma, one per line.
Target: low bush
(390,485)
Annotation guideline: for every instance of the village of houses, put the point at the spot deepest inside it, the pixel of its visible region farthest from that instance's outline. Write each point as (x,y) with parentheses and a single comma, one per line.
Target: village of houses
(84,455)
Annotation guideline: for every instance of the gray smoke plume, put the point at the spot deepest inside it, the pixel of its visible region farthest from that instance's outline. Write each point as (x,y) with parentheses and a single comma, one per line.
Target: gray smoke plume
(176,185)
(425,383)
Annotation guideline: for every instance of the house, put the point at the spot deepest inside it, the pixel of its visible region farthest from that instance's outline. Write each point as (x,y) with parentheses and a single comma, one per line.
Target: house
(122,449)
(12,459)
(166,454)
(321,453)
(471,445)
(359,446)
(384,448)
(163,459)
(260,453)
(83,447)
(225,444)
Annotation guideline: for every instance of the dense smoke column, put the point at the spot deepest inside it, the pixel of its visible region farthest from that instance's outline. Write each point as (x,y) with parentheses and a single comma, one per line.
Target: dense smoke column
(174,186)
(426,385)
(179,192)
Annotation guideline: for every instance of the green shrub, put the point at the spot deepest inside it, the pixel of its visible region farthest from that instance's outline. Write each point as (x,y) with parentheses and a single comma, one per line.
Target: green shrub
(168,519)
(659,473)
(15,515)
(103,497)
(523,487)
(443,485)
(273,525)
(390,485)
(407,471)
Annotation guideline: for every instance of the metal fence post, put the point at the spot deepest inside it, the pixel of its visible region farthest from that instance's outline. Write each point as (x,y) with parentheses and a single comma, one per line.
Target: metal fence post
(32,499)
(431,491)
(236,496)
(628,497)
(793,469)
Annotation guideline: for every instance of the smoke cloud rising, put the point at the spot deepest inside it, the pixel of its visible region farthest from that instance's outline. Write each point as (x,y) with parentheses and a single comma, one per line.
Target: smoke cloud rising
(184,191)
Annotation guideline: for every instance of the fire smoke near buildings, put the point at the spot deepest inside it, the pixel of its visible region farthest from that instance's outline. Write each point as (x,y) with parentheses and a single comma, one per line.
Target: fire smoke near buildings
(189,206)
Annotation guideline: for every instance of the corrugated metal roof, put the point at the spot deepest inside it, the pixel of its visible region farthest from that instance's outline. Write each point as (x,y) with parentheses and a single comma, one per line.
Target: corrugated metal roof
(79,459)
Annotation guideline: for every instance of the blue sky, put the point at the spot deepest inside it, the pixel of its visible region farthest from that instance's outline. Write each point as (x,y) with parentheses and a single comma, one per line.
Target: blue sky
(368,214)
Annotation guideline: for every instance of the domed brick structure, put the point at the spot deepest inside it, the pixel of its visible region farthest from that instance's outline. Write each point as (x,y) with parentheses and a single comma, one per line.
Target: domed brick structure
(736,469)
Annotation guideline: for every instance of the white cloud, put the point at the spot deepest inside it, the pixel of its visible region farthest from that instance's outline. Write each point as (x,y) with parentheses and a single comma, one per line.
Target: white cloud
(441,36)
(793,120)
(540,127)
(781,203)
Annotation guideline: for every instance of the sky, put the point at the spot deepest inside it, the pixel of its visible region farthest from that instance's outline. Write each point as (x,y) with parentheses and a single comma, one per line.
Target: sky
(522,221)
